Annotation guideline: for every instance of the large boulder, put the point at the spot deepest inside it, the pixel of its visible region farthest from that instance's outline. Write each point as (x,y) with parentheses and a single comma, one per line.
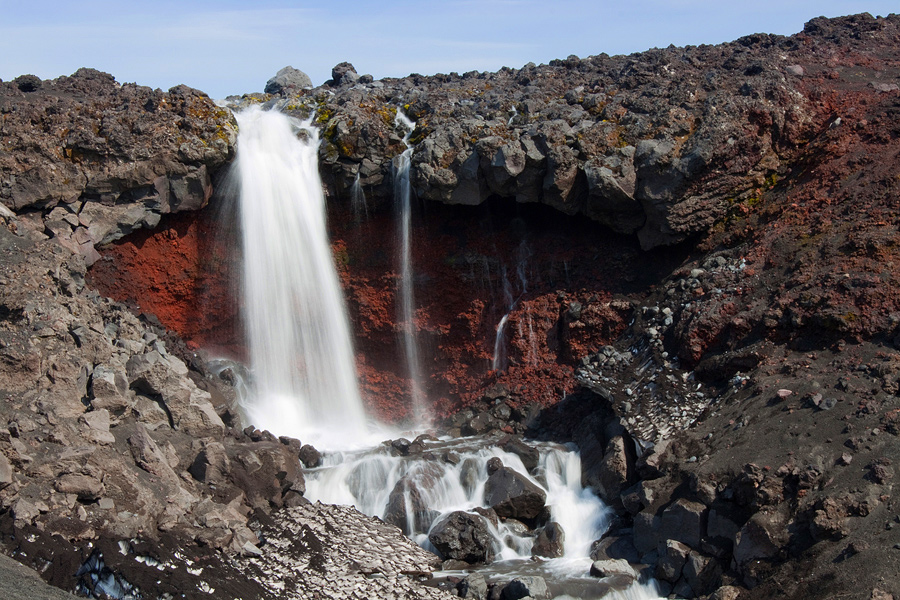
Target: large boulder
(463,536)
(288,80)
(511,494)
(550,541)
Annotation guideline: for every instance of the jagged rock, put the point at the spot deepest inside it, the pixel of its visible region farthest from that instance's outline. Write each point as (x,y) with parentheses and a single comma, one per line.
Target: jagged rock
(684,521)
(761,538)
(616,470)
(672,558)
(612,546)
(550,541)
(288,80)
(512,495)
(97,424)
(343,73)
(127,153)
(463,536)
(211,464)
(702,573)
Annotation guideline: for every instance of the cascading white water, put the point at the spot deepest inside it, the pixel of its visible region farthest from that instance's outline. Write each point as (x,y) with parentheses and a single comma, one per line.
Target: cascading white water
(367,480)
(302,363)
(402,196)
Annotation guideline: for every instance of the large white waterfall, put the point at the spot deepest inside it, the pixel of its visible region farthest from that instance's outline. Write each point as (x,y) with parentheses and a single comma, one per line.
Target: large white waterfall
(304,381)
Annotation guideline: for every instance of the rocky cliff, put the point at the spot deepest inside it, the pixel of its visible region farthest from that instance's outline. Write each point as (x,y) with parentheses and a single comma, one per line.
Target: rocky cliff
(695,247)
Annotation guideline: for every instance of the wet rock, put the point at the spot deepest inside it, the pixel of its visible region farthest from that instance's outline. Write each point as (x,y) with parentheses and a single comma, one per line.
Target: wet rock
(493,465)
(407,508)
(310,457)
(525,587)
(612,568)
(463,536)
(612,546)
(526,453)
(512,495)
(550,541)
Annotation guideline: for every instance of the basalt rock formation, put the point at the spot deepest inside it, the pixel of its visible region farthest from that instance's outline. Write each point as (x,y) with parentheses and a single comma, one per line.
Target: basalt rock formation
(694,249)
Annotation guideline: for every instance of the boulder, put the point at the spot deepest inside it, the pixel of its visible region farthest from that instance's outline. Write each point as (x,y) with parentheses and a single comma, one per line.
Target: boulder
(684,521)
(528,455)
(550,541)
(344,74)
(525,587)
(510,494)
(463,536)
(407,509)
(473,587)
(612,568)
(702,573)
(672,557)
(310,457)
(288,80)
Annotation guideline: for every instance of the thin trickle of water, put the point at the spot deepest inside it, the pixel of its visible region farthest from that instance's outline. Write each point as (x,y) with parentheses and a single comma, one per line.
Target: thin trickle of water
(358,205)
(402,196)
(499,359)
(302,363)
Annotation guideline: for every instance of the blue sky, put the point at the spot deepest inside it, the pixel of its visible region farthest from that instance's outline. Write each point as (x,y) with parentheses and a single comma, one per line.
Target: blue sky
(231,47)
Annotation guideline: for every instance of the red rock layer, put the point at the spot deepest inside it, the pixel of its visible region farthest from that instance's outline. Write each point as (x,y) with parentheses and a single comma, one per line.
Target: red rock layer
(462,257)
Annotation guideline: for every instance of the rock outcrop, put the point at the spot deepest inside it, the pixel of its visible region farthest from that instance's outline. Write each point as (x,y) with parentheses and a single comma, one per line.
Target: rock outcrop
(100,160)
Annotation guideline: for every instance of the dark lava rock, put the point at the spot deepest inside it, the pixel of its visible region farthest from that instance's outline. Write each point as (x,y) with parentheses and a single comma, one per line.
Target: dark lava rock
(463,536)
(550,542)
(288,80)
(512,495)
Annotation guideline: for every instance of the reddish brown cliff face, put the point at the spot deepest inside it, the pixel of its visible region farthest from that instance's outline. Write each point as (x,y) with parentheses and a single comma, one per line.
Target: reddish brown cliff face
(564,277)
(183,273)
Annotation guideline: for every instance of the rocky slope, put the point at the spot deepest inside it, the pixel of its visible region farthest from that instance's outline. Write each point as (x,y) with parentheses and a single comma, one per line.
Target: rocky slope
(695,246)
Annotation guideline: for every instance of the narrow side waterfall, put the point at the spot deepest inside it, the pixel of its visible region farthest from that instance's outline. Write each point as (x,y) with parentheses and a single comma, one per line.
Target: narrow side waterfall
(302,363)
(403,200)
(358,204)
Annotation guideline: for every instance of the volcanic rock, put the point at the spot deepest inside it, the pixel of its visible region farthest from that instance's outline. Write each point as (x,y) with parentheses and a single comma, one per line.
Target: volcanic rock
(512,495)
(463,536)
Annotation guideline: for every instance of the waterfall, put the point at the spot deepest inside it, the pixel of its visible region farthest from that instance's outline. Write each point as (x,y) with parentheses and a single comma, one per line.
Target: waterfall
(302,362)
(402,197)
(499,359)
(358,204)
